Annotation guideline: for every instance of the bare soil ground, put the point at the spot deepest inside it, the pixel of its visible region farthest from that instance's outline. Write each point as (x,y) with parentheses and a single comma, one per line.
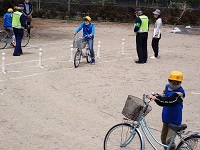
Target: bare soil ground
(62,107)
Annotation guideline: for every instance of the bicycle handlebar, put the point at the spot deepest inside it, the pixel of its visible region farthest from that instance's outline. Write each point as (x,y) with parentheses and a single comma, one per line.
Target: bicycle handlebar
(86,36)
(146,102)
(145,99)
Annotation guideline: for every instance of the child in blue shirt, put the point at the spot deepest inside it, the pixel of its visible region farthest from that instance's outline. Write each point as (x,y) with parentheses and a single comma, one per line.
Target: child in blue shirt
(172,103)
(88,34)
(7,23)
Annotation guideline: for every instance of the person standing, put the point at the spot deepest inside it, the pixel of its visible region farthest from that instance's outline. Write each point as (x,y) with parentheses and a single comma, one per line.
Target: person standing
(141,28)
(28,10)
(7,23)
(156,33)
(172,103)
(18,24)
(88,34)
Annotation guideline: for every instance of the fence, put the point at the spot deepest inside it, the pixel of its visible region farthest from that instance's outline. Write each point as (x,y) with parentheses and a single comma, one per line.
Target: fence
(145,3)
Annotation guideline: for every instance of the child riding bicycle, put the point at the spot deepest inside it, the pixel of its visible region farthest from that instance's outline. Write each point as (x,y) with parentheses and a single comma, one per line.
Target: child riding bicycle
(88,34)
(172,103)
(7,23)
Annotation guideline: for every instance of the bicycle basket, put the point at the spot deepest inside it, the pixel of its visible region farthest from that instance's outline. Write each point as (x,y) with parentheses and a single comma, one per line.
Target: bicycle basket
(134,107)
(79,43)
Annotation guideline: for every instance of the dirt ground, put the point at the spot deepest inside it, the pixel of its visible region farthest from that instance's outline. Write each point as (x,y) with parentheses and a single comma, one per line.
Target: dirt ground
(60,107)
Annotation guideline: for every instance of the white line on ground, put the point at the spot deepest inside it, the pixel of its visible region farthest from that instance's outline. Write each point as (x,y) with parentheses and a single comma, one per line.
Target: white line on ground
(13,71)
(39,66)
(31,75)
(49,44)
(53,58)
(195,93)
(15,63)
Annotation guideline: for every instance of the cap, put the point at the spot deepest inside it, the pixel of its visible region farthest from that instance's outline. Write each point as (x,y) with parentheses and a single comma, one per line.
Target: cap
(176,76)
(10,10)
(87,18)
(157,12)
(137,10)
(20,7)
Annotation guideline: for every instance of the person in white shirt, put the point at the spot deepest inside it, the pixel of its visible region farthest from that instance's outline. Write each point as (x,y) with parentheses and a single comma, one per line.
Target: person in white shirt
(156,33)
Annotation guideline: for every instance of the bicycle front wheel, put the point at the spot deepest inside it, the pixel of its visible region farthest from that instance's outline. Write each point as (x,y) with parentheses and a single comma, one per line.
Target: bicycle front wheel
(77,58)
(26,38)
(88,57)
(120,137)
(190,143)
(3,35)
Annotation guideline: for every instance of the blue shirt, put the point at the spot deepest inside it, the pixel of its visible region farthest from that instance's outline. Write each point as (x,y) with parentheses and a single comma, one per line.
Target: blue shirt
(7,20)
(173,114)
(87,30)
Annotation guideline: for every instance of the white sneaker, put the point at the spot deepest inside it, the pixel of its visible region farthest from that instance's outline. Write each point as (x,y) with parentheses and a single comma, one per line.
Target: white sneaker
(153,57)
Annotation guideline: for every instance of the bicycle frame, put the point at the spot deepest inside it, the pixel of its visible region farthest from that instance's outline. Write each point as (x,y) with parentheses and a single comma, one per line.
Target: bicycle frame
(143,124)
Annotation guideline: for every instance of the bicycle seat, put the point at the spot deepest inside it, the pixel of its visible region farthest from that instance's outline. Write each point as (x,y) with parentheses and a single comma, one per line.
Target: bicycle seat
(178,128)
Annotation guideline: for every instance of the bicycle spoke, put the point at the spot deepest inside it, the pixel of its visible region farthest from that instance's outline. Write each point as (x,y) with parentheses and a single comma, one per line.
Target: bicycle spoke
(25,39)
(3,35)
(191,143)
(119,137)
(77,58)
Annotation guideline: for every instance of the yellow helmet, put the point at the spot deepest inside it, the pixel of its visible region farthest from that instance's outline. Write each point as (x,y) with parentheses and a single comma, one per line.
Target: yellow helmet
(176,76)
(10,10)
(87,18)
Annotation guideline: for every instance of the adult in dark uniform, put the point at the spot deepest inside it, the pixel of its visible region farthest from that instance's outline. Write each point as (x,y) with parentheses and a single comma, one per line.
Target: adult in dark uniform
(18,24)
(141,29)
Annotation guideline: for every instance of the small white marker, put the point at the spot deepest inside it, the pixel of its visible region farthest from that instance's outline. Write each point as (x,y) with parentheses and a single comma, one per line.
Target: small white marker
(3,63)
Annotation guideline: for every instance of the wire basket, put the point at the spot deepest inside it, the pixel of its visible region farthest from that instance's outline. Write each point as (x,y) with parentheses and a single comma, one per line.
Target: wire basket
(134,107)
(79,43)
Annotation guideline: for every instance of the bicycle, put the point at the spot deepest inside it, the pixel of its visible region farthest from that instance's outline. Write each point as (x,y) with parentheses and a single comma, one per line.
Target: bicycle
(127,135)
(81,44)
(6,38)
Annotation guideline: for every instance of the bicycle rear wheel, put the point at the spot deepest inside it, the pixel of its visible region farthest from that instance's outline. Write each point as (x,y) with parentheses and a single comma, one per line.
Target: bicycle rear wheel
(117,138)
(3,35)
(191,143)
(77,58)
(26,38)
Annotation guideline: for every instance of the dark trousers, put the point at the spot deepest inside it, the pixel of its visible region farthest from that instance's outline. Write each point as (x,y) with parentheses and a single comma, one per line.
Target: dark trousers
(141,45)
(29,29)
(18,36)
(155,45)
(28,22)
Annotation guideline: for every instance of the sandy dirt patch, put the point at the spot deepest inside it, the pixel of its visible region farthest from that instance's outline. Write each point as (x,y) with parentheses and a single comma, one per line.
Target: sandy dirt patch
(60,107)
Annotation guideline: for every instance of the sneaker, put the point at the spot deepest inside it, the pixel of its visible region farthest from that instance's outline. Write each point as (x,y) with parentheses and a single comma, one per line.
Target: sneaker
(153,57)
(92,62)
